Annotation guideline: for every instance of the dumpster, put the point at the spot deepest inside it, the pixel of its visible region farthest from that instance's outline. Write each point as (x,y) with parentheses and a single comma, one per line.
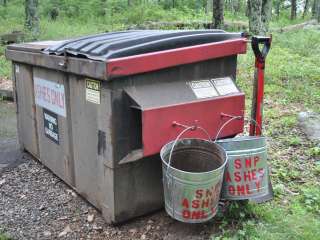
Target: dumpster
(97,110)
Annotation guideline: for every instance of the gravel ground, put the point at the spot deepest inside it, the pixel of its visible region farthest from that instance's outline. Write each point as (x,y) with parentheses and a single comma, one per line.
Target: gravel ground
(6,88)
(5,84)
(35,204)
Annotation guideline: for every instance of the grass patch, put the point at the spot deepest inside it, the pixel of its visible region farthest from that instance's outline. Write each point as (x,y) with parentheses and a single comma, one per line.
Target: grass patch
(295,219)
(5,66)
(4,236)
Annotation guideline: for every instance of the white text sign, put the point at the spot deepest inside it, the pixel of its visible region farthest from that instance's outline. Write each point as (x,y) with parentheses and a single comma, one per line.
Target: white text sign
(50,95)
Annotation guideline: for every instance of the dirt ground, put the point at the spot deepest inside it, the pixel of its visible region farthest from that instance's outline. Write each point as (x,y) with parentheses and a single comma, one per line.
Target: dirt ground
(35,204)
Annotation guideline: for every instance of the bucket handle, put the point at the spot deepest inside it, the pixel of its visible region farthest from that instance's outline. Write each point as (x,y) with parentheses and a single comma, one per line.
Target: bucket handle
(187,128)
(233,117)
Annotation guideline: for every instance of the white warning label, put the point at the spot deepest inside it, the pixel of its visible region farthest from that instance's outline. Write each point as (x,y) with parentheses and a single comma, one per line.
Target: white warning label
(225,85)
(203,89)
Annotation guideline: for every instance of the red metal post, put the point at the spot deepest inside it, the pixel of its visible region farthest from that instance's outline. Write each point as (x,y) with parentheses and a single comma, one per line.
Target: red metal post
(256,125)
(258,89)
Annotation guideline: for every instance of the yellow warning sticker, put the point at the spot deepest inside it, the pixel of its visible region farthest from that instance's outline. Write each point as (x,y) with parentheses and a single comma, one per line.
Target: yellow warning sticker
(93,91)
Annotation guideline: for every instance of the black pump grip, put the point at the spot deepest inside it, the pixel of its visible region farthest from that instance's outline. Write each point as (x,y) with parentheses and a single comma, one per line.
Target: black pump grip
(255,41)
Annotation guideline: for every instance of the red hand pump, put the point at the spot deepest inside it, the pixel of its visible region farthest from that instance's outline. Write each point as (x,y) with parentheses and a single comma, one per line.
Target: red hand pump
(258,86)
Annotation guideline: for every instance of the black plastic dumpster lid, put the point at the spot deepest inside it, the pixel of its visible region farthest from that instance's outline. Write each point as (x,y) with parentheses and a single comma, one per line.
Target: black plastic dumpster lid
(128,43)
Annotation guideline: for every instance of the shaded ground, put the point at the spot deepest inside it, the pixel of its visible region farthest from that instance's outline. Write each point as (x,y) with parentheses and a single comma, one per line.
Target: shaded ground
(35,204)
(6,88)
(9,156)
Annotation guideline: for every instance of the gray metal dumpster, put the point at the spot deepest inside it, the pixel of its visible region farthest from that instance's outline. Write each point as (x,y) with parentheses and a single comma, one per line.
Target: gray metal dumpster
(97,110)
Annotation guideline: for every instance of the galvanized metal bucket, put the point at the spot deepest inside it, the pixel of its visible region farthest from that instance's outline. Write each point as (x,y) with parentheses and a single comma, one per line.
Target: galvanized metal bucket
(192,178)
(246,174)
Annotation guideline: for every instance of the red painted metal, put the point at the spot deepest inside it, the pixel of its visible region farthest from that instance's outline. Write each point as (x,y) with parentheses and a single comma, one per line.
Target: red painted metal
(256,127)
(163,59)
(258,90)
(157,123)
(260,94)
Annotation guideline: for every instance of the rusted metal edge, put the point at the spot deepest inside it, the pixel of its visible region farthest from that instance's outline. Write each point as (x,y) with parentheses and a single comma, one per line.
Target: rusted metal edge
(84,67)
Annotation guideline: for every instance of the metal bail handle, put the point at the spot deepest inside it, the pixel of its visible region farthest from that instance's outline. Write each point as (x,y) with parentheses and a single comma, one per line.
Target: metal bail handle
(187,128)
(232,117)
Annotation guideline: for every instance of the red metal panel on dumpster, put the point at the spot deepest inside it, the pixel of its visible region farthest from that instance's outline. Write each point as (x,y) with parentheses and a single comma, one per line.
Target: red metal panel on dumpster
(157,128)
(168,58)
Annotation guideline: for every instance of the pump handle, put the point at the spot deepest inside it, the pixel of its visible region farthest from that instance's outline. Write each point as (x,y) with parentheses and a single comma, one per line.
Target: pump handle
(255,41)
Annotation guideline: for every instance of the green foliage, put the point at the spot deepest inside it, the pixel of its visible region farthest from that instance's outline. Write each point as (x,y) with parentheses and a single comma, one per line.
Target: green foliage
(289,121)
(317,166)
(311,199)
(292,72)
(5,66)
(315,151)
(297,226)
(274,222)
(4,236)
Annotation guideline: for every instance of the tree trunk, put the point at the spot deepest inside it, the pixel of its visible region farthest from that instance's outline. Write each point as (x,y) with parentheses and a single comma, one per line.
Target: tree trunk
(260,15)
(266,11)
(313,9)
(237,6)
(293,9)
(32,20)
(209,6)
(306,8)
(248,8)
(316,10)
(255,16)
(277,8)
(217,9)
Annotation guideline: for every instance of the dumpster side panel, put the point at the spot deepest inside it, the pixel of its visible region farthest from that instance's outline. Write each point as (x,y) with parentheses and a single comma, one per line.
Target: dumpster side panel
(56,155)
(26,110)
(138,188)
(91,143)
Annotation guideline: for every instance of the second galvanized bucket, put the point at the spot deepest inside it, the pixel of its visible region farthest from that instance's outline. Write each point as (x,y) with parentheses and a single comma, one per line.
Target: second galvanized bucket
(246,174)
(192,178)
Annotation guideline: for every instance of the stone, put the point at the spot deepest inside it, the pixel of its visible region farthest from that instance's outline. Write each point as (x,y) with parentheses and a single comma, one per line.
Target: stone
(90,218)
(47,233)
(2,181)
(65,231)
(309,122)
(96,227)
(143,237)
(133,231)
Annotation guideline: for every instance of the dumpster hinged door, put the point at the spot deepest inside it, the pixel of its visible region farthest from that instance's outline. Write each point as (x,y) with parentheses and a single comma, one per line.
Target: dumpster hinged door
(185,102)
